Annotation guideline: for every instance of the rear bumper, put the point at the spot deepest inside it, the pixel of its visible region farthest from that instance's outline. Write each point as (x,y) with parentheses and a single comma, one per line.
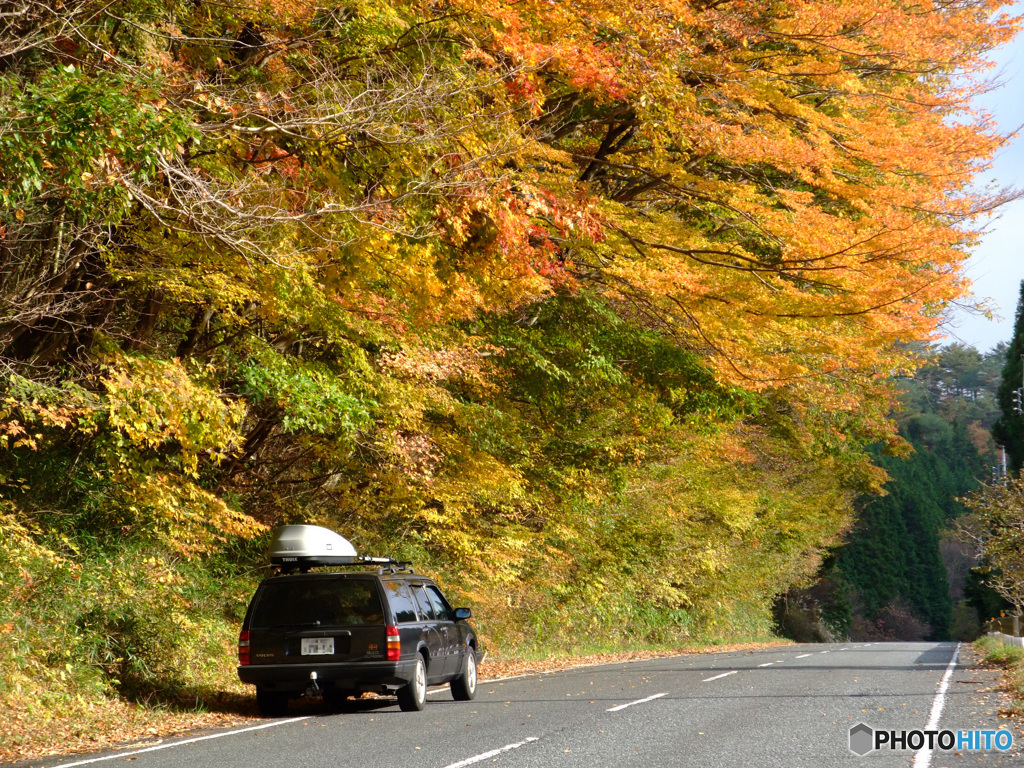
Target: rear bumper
(356,676)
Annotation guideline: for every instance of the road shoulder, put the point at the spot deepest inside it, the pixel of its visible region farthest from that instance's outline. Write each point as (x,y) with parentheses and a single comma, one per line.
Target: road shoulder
(977,699)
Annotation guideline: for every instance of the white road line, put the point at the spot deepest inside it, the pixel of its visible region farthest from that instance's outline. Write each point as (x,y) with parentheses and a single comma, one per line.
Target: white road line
(683,656)
(630,704)
(923,758)
(719,677)
(803,655)
(766,665)
(494,752)
(123,755)
(822,651)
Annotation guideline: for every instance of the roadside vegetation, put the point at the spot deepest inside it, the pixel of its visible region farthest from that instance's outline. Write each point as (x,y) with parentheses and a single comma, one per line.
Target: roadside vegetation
(1011,659)
(603,329)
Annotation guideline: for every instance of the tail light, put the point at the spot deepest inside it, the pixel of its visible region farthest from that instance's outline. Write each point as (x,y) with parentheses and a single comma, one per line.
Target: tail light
(394,644)
(243,647)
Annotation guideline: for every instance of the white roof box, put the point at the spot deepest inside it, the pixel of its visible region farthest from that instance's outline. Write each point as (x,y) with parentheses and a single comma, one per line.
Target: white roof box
(308,546)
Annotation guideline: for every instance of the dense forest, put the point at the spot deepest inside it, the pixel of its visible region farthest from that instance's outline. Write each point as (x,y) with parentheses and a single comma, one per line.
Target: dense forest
(994,528)
(599,312)
(902,572)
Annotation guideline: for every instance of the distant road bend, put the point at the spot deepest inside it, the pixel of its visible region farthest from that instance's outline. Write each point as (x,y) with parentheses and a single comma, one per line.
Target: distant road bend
(788,707)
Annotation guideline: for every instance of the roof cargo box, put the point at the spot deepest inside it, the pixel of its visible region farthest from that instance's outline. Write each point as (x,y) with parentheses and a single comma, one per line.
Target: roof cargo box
(309,546)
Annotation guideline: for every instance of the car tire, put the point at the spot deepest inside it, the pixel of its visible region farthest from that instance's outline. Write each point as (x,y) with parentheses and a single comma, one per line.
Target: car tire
(271,703)
(464,686)
(412,697)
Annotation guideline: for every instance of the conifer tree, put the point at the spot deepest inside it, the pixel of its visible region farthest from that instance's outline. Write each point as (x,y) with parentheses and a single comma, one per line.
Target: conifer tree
(1008,431)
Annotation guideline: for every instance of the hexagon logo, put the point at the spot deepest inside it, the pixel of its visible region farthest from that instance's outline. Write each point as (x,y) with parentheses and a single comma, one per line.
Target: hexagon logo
(862,739)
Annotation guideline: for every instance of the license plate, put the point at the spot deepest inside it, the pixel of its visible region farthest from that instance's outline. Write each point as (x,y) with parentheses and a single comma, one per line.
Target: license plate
(317,646)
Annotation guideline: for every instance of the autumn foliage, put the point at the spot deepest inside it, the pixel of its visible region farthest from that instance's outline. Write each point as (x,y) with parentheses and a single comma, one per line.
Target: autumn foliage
(589,306)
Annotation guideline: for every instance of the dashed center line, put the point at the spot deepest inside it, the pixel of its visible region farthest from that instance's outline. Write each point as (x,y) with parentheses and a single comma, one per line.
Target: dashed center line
(629,704)
(494,752)
(803,655)
(766,665)
(718,677)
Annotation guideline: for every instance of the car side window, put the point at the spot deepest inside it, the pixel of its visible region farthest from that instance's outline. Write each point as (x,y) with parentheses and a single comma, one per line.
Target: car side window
(402,601)
(442,610)
(421,599)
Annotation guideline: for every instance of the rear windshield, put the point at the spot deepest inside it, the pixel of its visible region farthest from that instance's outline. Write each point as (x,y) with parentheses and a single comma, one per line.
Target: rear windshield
(317,602)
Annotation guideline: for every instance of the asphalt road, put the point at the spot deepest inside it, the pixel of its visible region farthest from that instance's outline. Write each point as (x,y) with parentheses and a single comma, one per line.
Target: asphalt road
(790,707)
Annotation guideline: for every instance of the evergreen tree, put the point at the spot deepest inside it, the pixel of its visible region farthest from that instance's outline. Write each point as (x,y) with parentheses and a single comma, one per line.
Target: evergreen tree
(893,553)
(1008,431)
(892,559)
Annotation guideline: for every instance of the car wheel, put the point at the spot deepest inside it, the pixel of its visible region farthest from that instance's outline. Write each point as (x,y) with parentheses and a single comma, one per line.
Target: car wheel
(413,696)
(271,703)
(464,686)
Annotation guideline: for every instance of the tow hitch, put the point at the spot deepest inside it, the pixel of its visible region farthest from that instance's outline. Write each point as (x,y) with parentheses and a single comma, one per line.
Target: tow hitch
(314,688)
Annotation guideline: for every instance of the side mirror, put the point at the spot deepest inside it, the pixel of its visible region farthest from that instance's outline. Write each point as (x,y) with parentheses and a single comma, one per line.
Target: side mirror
(461,614)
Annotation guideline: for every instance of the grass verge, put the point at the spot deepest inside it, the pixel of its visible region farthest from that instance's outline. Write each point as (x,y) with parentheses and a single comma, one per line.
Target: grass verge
(1011,659)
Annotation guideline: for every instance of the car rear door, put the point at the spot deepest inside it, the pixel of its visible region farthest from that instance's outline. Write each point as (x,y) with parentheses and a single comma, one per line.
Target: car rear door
(445,616)
(414,627)
(436,636)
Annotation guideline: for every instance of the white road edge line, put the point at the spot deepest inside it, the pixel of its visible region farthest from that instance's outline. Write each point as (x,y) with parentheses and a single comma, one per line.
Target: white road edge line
(923,758)
(685,656)
(767,664)
(719,677)
(122,755)
(803,655)
(623,706)
(493,753)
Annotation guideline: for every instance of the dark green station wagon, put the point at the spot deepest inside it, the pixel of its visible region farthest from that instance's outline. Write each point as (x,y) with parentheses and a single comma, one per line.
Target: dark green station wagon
(380,628)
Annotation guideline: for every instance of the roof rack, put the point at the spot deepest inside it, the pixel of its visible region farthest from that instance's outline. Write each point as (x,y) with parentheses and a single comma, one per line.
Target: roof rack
(386,564)
(286,565)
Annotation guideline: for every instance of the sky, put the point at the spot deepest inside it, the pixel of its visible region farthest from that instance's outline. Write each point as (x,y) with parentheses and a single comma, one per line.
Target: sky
(996,266)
